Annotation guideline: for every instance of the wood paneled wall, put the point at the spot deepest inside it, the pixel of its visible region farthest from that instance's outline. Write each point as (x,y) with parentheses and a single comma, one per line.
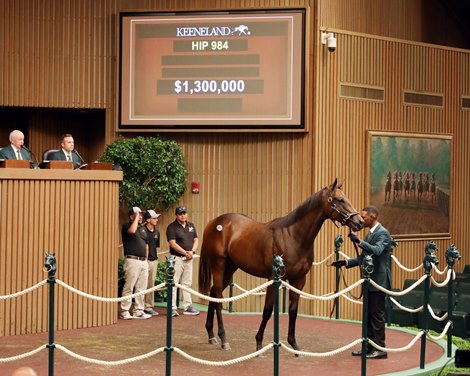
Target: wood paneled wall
(64,54)
(73,214)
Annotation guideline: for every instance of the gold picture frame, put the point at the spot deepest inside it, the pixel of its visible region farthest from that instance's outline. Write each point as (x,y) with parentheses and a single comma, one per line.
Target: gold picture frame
(409,180)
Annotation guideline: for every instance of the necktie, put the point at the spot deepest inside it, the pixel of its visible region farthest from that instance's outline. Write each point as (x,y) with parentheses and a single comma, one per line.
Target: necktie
(19,155)
(69,159)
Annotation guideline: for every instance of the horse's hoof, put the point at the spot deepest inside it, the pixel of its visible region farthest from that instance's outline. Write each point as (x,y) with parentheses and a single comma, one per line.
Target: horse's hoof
(213,341)
(226,346)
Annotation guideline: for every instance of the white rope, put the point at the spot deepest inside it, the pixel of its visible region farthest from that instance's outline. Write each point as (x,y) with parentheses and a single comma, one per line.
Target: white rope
(243,290)
(224,300)
(159,287)
(412,310)
(330,297)
(445,282)
(438,271)
(324,260)
(434,316)
(400,349)
(344,255)
(109,363)
(22,356)
(444,332)
(19,293)
(223,363)
(324,354)
(405,268)
(347,297)
(398,293)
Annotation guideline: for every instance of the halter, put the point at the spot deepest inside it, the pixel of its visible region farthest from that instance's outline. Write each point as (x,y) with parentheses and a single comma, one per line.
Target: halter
(344,216)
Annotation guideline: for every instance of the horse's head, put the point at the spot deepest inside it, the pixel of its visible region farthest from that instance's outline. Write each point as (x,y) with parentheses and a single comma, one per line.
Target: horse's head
(430,257)
(50,263)
(452,254)
(341,209)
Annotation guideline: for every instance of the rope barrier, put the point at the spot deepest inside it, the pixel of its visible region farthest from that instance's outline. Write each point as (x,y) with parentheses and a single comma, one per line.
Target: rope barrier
(159,287)
(243,290)
(412,310)
(256,291)
(400,349)
(446,281)
(324,260)
(403,267)
(16,294)
(324,354)
(224,300)
(317,297)
(109,363)
(22,356)
(226,362)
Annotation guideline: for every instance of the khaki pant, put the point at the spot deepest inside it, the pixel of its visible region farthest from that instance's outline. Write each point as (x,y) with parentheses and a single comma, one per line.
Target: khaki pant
(135,277)
(149,298)
(183,276)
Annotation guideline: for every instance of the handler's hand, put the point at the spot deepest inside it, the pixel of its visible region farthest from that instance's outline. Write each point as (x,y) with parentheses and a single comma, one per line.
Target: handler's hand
(354,238)
(339,263)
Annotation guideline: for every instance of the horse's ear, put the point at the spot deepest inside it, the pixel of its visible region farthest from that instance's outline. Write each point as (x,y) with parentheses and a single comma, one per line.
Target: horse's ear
(332,187)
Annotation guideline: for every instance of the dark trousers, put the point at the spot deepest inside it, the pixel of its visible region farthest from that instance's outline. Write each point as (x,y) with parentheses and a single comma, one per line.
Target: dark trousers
(376,318)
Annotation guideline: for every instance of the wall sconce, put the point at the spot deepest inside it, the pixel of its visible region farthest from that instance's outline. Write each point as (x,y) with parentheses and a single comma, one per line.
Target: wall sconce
(330,41)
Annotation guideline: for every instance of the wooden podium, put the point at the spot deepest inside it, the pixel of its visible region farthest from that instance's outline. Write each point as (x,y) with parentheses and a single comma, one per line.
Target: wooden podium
(61,165)
(15,163)
(74,214)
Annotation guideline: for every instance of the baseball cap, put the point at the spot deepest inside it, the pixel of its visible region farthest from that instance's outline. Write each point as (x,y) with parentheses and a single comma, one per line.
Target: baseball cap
(180,209)
(151,214)
(134,210)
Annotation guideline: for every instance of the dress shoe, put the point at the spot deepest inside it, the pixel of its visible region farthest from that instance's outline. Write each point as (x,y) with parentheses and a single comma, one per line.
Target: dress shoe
(359,352)
(376,354)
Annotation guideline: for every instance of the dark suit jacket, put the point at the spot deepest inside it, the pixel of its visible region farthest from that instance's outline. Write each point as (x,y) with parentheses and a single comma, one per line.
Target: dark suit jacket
(8,153)
(378,244)
(60,156)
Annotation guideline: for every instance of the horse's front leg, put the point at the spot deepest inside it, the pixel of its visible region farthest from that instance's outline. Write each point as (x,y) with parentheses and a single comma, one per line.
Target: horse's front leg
(267,312)
(293,310)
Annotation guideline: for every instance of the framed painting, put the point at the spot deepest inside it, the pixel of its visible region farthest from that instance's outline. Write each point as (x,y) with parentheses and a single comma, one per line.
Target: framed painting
(410,183)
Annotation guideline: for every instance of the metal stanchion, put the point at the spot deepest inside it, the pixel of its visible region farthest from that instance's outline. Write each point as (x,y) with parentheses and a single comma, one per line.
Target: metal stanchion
(452,254)
(429,259)
(170,272)
(278,265)
(367,267)
(338,243)
(50,267)
(230,294)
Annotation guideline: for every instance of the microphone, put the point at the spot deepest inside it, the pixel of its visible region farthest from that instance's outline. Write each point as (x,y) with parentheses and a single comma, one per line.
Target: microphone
(79,156)
(34,162)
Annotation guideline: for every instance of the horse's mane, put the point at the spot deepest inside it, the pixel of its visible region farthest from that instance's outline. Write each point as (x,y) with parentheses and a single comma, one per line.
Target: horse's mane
(298,213)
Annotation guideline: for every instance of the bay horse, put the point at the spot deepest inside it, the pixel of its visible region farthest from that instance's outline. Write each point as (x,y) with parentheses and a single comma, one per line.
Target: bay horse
(234,241)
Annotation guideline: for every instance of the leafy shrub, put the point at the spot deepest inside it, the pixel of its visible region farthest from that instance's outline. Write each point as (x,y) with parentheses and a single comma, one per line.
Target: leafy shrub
(154,173)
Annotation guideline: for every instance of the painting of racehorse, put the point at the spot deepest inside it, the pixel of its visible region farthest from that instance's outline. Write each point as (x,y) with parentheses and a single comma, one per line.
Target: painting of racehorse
(409,181)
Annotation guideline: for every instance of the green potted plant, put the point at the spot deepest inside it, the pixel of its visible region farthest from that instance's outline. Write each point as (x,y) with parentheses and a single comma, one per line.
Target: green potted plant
(154,172)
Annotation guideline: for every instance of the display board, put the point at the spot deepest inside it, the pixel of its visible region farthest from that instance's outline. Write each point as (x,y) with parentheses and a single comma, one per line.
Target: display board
(212,70)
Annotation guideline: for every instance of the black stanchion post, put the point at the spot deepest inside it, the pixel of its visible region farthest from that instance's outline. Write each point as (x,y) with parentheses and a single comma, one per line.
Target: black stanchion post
(278,265)
(429,259)
(338,242)
(452,254)
(170,272)
(388,300)
(367,267)
(50,268)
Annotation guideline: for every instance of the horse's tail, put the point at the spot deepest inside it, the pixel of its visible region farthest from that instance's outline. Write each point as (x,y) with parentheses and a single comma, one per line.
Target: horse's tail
(205,272)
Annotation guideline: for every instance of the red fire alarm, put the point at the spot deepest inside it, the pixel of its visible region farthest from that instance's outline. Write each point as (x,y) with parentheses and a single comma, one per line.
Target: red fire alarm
(195,187)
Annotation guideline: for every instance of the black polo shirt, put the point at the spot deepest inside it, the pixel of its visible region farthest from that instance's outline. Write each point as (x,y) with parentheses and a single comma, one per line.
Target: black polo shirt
(153,242)
(134,244)
(184,236)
